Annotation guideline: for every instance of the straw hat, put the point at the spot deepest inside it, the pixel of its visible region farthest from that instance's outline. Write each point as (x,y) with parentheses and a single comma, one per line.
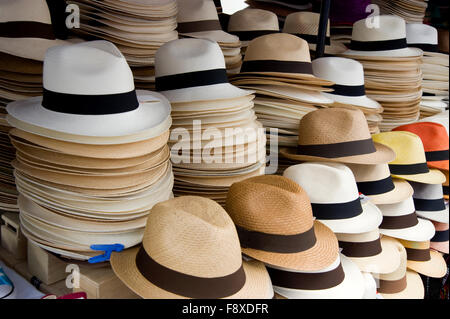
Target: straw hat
(341,209)
(348,76)
(26,29)
(440,240)
(190,70)
(429,202)
(337,135)
(370,252)
(434,137)
(100,104)
(424,37)
(401,283)
(410,162)
(400,221)
(423,260)
(183,241)
(387,40)
(375,182)
(275,224)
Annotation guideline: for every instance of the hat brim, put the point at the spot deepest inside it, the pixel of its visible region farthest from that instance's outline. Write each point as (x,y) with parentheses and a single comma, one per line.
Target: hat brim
(361,101)
(440,246)
(414,288)
(382,155)
(423,231)
(434,176)
(441,216)
(257,284)
(402,191)
(219,36)
(405,52)
(434,268)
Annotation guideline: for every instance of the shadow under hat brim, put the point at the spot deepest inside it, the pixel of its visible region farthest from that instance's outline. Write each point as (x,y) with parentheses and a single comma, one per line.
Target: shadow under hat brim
(441,216)
(405,52)
(434,268)
(423,231)
(402,191)
(382,155)
(359,101)
(257,284)
(414,288)
(434,176)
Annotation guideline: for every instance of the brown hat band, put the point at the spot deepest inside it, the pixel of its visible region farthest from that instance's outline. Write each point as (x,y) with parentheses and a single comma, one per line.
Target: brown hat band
(257,66)
(187,285)
(199,26)
(307,281)
(335,150)
(26,29)
(366,249)
(418,254)
(392,286)
(399,222)
(284,244)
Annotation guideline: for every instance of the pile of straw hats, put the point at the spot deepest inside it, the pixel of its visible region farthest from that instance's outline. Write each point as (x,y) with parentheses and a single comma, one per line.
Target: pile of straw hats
(92,154)
(215,138)
(199,19)
(434,68)
(410,10)
(391,69)
(137,28)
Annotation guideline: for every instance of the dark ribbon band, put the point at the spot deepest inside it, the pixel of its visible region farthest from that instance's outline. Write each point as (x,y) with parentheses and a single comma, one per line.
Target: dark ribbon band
(399,222)
(337,211)
(199,26)
(392,286)
(276,243)
(90,104)
(277,66)
(418,254)
(440,236)
(312,39)
(408,169)
(26,29)
(338,149)
(437,156)
(191,79)
(307,281)
(250,35)
(378,45)
(376,187)
(348,90)
(366,249)
(425,46)
(187,285)
(445,190)
(429,205)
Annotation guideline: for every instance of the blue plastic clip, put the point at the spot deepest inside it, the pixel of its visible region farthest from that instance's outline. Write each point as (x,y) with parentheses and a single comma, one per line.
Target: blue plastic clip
(108,249)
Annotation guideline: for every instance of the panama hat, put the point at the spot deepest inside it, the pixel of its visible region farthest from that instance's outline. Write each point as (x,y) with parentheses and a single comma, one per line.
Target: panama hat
(101,104)
(440,240)
(190,70)
(424,260)
(424,37)
(388,40)
(250,23)
(400,221)
(348,76)
(441,118)
(26,29)
(337,135)
(401,283)
(341,209)
(183,240)
(434,138)
(275,224)
(429,202)
(375,182)
(410,162)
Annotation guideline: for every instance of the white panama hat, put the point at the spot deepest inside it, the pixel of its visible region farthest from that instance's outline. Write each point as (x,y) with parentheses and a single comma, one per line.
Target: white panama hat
(429,202)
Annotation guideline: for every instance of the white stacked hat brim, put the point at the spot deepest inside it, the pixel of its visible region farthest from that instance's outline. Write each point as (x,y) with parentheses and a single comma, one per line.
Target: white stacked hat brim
(362,101)
(440,216)
(218,36)
(429,202)
(405,52)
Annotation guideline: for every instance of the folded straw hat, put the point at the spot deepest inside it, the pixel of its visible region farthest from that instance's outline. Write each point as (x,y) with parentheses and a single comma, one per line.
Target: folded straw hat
(340,209)
(434,138)
(375,181)
(190,70)
(348,76)
(275,224)
(424,260)
(387,40)
(410,162)
(401,283)
(429,202)
(100,104)
(337,135)
(440,240)
(400,221)
(184,239)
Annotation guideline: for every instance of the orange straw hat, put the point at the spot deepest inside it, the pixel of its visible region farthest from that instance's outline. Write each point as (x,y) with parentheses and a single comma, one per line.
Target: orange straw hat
(435,142)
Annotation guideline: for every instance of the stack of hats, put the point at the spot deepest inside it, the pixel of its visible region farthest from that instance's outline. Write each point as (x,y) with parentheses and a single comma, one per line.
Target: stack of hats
(137,28)
(392,70)
(278,67)
(275,224)
(215,138)
(199,19)
(92,154)
(434,68)
(349,90)
(281,8)
(413,11)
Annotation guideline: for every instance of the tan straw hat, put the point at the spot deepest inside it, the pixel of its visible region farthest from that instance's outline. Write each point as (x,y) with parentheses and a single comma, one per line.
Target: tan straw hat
(190,249)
